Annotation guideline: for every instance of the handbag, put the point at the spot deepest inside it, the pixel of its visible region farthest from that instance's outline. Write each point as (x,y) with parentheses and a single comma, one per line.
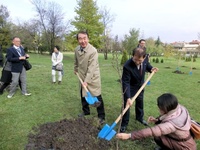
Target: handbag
(27,65)
(195,129)
(59,67)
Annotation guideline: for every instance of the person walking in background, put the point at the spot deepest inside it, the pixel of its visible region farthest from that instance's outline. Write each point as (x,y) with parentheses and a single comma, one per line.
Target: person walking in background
(16,56)
(57,58)
(132,79)
(86,64)
(172,129)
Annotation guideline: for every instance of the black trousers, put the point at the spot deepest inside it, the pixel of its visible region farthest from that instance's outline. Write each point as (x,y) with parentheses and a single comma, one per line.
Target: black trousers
(139,112)
(3,86)
(86,108)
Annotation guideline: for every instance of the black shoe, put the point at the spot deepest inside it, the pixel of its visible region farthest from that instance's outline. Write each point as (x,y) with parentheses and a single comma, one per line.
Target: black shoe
(123,129)
(101,121)
(82,115)
(143,122)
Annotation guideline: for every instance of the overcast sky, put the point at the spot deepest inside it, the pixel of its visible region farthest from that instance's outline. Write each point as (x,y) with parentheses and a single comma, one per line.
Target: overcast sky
(171,20)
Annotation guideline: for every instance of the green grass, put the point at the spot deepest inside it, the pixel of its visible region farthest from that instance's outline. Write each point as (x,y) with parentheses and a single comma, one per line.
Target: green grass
(50,103)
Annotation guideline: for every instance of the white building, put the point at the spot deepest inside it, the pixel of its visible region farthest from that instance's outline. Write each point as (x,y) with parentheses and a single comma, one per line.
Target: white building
(188,48)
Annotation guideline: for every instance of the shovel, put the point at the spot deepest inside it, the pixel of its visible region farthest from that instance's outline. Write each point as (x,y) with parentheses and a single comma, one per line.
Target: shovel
(89,98)
(107,131)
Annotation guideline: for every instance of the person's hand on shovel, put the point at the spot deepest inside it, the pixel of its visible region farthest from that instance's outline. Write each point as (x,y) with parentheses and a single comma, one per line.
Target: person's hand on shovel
(151,119)
(129,102)
(154,69)
(123,136)
(85,84)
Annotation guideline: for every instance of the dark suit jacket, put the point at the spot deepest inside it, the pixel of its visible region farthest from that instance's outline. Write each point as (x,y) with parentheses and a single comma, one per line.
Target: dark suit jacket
(13,57)
(132,80)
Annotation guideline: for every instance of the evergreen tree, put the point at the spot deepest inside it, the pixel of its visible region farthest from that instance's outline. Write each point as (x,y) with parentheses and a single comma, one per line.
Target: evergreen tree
(158,42)
(89,19)
(124,57)
(131,40)
(5,36)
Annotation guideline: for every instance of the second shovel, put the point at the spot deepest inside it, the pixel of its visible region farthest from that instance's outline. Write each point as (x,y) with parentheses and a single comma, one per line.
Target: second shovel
(91,100)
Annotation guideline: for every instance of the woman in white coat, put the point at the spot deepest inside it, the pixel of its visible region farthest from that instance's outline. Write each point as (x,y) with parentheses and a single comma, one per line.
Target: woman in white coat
(57,58)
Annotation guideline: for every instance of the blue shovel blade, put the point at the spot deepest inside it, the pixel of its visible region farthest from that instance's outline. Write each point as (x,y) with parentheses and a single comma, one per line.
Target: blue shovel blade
(110,135)
(90,99)
(104,131)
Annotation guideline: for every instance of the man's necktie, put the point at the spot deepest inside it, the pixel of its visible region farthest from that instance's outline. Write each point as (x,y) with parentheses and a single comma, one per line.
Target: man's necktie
(19,51)
(140,69)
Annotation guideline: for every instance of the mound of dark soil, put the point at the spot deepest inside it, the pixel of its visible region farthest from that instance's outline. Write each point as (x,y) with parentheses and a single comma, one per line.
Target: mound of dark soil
(167,67)
(178,72)
(183,66)
(74,134)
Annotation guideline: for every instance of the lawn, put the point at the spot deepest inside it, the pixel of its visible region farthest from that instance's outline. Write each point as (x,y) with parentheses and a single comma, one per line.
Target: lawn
(50,103)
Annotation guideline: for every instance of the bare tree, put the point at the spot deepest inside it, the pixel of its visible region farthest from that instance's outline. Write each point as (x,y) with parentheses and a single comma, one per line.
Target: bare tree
(107,20)
(118,67)
(50,18)
(30,34)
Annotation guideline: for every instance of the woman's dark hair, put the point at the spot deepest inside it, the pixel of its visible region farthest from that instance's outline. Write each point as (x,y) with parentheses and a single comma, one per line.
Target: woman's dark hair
(57,47)
(139,52)
(82,32)
(167,102)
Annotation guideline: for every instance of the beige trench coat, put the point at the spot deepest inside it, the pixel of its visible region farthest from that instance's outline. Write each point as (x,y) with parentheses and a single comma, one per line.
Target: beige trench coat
(86,64)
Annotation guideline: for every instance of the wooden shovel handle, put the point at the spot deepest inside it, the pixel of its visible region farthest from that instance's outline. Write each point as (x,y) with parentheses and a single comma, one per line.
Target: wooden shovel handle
(81,82)
(135,96)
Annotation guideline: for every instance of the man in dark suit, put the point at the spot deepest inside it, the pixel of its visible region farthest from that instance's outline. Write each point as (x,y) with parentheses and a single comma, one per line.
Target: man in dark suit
(141,44)
(16,56)
(132,79)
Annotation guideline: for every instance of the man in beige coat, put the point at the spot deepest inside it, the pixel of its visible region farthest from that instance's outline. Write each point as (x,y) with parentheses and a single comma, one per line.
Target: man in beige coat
(86,64)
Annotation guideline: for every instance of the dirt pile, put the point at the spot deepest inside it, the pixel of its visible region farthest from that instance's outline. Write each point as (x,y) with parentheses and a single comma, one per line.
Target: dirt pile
(178,72)
(74,134)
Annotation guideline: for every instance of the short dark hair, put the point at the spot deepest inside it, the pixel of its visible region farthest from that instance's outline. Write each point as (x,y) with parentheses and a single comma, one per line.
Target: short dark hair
(167,102)
(82,32)
(57,47)
(141,40)
(139,52)
(14,37)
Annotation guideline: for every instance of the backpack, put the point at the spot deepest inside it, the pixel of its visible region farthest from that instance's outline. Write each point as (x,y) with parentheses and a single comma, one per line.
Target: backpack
(195,129)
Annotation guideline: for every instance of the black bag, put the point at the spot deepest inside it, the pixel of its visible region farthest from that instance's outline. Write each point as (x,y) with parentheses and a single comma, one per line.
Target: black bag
(27,65)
